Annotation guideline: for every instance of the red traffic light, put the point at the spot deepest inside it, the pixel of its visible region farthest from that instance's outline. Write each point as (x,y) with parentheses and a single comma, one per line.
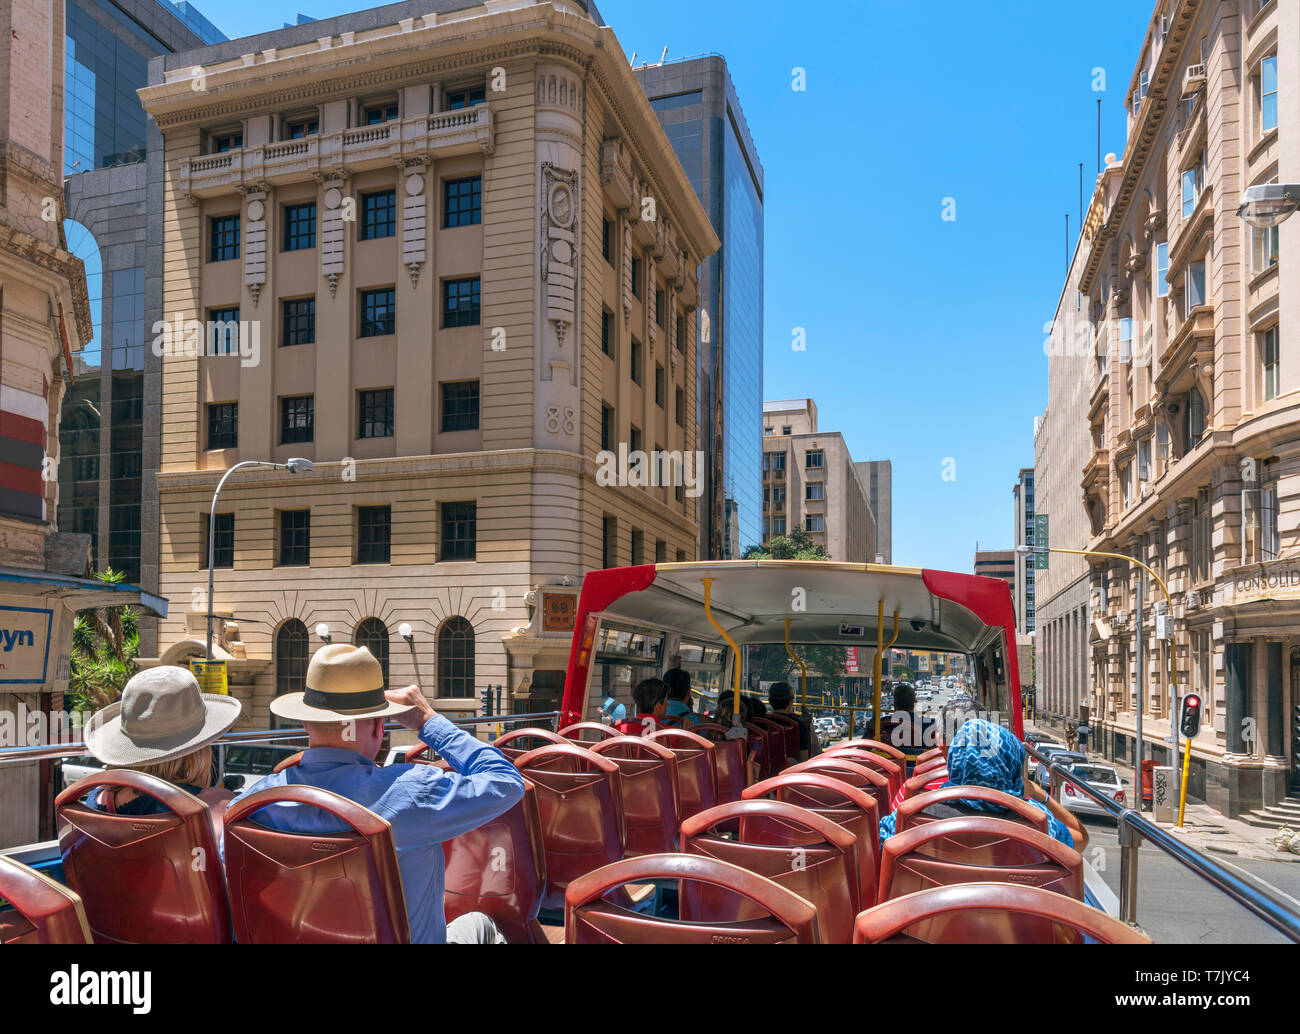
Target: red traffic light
(1193,701)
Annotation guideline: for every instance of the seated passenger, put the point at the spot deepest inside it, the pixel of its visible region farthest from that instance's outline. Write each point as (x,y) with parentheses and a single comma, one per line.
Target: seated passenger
(162,726)
(723,716)
(679,698)
(651,699)
(781,696)
(343,711)
(985,754)
(904,731)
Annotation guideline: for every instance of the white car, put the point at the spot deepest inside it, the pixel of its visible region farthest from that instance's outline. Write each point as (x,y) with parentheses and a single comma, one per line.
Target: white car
(1102,778)
(80,767)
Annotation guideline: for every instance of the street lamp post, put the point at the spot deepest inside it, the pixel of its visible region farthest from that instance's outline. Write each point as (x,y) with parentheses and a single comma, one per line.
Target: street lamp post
(1265,205)
(294,466)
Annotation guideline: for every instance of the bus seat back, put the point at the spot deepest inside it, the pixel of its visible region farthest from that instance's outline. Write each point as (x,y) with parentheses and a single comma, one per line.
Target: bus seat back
(520,741)
(41,911)
(648,777)
(697,780)
(728,761)
(866,779)
(912,810)
(589,732)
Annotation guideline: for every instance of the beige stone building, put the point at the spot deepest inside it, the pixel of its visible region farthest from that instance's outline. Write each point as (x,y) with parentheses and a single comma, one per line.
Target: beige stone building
(1194,399)
(810,481)
(462,240)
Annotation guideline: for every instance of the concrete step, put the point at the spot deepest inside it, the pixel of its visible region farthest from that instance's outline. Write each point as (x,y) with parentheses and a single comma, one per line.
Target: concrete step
(1285,812)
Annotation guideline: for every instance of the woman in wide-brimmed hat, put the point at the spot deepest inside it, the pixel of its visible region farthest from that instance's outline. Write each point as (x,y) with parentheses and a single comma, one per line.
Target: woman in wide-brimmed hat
(162,726)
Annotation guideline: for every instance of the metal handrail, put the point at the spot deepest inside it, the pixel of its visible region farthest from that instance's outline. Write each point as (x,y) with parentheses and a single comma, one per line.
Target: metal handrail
(16,755)
(1134,828)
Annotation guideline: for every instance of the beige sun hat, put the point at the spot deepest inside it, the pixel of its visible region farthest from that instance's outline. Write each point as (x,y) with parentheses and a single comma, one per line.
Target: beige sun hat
(343,683)
(161,715)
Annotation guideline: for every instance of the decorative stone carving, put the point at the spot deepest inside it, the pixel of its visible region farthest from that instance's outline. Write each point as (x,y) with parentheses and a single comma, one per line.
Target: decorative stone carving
(559,245)
(255,243)
(331,230)
(414,221)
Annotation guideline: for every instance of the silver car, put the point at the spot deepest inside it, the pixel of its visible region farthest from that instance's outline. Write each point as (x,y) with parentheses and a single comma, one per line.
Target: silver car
(1103,779)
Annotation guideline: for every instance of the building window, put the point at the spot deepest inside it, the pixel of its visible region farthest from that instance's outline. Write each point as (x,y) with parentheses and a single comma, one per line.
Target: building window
(679,338)
(292,655)
(814,459)
(223,542)
(377,114)
(1195,425)
(223,425)
(456,659)
(659,308)
(1162,270)
(1264,246)
(300,128)
(297,419)
(373,635)
(609,542)
(1270,354)
(295,538)
(1202,544)
(777,460)
(226,142)
(460,302)
(466,98)
(661,551)
(634,439)
(460,406)
(636,361)
(378,215)
(778,525)
(1195,287)
(606,332)
(814,491)
(223,238)
(1268,94)
(1163,452)
(636,277)
(606,428)
(300,226)
(814,522)
(638,547)
(778,496)
(1193,181)
(786,429)
(607,240)
(375,413)
(1143,463)
(298,321)
(378,313)
(679,407)
(374,534)
(462,202)
(1269,543)
(223,331)
(659,386)
(681,556)
(459,531)
(1126,484)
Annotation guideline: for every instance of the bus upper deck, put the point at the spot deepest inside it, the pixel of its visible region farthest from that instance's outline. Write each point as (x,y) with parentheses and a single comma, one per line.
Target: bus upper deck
(664,837)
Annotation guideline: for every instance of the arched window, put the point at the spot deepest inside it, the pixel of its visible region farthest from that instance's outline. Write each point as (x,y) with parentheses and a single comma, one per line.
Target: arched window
(292,651)
(456,658)
(373,635)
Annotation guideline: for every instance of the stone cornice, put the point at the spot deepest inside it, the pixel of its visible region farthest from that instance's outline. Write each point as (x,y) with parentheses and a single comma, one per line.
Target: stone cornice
(68,268)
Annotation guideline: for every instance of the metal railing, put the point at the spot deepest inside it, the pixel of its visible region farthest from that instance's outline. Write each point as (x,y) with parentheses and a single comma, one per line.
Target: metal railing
(1133,828)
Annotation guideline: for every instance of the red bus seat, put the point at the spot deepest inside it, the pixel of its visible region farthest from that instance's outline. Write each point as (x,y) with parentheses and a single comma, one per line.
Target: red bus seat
(649,782)
(589,732)
(886,749)
(728,760)
(173,855)
(864,778)
(854,809)
(499,869)
(977,849)
(918,783)
(509,743)
(313,888)
(775,733)
(890,769)
(802,851)
(697,777)
(760,739)
(41,911)
(990,913)
(580,804)
(774,914)
(911,811)
(931,754)
(791,728)
(292,760)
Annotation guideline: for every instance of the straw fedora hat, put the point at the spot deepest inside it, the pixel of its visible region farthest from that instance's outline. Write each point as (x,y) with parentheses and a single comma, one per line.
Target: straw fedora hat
(161,715)
(344,683)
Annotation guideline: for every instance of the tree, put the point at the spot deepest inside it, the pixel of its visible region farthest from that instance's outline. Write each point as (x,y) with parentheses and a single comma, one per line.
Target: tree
(105,643)
(798,545)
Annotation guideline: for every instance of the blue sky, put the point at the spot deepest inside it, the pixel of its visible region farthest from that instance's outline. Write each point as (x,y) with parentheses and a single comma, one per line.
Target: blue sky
(924,336)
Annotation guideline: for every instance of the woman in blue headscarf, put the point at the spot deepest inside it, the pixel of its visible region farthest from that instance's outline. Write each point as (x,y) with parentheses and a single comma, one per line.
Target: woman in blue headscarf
(984,754)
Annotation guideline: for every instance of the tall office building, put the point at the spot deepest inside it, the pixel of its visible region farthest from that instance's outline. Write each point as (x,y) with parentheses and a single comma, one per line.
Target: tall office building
(996,563)
(1023,495)
(698,107)
(877,478)
(107,486)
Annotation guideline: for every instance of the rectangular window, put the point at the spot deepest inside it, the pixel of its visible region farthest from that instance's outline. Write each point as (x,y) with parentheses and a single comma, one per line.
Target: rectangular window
(679,407)
(227,142)
(778,496)
(636,278)
(374,534)
(1269,542)
(460,406)
(681,556)
(785,429)
(1191,188)
(1144,460)
(1162,269)
(462,202)
(679,493)
(606,428)
(378,215)
(609,542)
(459,531)
(814,490)
(378,312)
(298,324)
(300,128)
(295,538)
(1162,448)
(223,238)
(299,226)
(375,413)
(460,302)
(814,522)
(223,331)
(377,114)
(1195,289)
(297,419)
(814,459)
(661,551)
(778,460)
(466,98)
(778,525)
(223,425)
(1126,484)
(1264,246)
(1268,94)
(659,386)
(607,240)
(223,542)
(638,547)
(659,308)
(606,332)
(1125,340)
(679,339)
(634,439)
(1269,348)
(636,361)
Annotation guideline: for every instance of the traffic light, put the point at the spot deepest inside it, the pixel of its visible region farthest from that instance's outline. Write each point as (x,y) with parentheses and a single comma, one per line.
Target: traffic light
(487,703)
(1189,722)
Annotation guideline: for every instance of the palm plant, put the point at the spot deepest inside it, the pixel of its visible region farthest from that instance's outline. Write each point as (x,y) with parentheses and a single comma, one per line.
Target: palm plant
(105,643)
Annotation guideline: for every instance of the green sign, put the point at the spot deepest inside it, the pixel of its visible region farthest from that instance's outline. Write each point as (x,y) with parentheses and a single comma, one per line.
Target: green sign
(1040,541)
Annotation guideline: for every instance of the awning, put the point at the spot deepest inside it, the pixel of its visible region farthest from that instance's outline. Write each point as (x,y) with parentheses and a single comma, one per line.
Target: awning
(81,593)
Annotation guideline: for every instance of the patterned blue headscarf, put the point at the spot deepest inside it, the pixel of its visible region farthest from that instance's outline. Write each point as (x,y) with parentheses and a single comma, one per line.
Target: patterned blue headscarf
(984,754)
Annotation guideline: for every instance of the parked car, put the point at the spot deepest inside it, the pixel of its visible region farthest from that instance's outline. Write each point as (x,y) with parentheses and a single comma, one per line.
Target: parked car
(80,767)
(1102,778)
(1057,755)
(247,763)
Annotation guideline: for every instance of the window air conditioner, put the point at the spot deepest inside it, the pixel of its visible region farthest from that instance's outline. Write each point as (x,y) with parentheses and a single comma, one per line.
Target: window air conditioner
(1193,79)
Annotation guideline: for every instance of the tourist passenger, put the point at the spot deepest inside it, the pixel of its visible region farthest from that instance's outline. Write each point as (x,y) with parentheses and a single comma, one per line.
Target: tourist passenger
(651,699)
(678,682)
(904,731)
(162,726)
(343,710)
(754,744)
(781,696)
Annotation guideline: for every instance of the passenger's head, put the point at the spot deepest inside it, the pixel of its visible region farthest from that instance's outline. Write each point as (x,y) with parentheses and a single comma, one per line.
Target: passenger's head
(679,684)
(984,754)
(954,715)
(162,725)
(904,697)
(780,696)
(757,708)
(725,711)
(651,696)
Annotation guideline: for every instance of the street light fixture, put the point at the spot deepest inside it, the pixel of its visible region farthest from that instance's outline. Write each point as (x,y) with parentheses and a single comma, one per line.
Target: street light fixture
(323,632)
(296,465)
(1265,205)
(404,630)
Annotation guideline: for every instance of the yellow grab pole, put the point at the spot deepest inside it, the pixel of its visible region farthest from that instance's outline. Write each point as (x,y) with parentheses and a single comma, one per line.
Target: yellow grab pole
(879,665)
(1182,797)
(803,670)
(736,719)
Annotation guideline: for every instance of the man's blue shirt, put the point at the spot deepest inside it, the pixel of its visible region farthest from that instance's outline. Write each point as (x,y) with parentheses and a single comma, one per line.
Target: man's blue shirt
(678,709)
(423,804)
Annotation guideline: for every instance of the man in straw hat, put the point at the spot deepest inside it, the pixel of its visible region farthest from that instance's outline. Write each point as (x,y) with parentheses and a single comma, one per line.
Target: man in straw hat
(343,711)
